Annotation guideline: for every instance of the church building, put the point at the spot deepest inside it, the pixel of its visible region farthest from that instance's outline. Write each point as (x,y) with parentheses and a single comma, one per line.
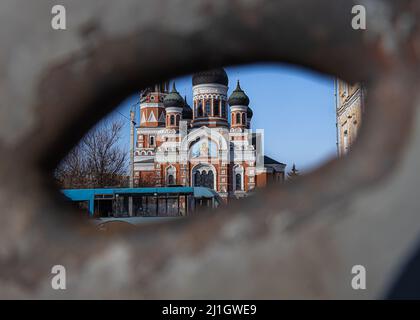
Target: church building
(210,144)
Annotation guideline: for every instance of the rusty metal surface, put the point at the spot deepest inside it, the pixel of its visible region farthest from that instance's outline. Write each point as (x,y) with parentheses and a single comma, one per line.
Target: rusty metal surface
(299,241)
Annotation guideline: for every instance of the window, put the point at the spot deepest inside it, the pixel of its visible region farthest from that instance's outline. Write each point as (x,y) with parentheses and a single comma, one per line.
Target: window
(238,182)
(152,140)
(199,108)
(208,108)
(197,179)
(172,120)
(177,120)
(223,109)
(243,118)
(171,180)
(216,107)
(204,179)
(170,176)
(238,118)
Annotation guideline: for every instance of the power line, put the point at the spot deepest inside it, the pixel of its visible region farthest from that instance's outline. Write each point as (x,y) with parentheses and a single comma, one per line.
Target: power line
(123,115)
(133,105)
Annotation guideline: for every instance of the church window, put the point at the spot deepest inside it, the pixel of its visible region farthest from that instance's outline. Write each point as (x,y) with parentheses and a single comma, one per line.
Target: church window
(152,140)
(210,180)
(171,180)
(199,108)
(204,179)
(170,176)
(172,120)
(208,108)
(197,179)
(238,118)
(223,109)
(177,120)
(238,182)
(243,118)
(216,107)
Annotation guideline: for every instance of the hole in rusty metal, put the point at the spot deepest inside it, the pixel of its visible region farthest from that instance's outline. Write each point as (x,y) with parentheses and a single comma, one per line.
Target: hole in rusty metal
(142,159)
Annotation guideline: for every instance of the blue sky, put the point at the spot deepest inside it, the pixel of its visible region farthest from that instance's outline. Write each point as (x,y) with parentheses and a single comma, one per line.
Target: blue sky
(295,107)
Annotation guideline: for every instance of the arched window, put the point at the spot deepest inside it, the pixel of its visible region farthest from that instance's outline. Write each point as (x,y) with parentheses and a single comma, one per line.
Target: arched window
(171,180)
(210,180)
(177,119)
(243,118)
(216,107)
(172,120)
(197,179)
(223,109)
(204,178)
(208,108)
(152,140)
(199,108)
(238,118)
(238,182)
(170,176)
(238,173)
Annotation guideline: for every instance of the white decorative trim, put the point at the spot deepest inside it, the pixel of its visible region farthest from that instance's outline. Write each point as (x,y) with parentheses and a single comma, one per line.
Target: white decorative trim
(152,117)
(210,88)
(145,130)
(238,108)
(143,117)
(152,105)
(173,110)
(167,131)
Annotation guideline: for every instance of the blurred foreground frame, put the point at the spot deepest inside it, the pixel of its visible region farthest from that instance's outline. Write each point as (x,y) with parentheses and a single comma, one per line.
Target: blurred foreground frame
(297,241)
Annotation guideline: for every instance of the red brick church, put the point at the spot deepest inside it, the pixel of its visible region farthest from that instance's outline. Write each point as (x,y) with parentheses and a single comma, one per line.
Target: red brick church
(210,144)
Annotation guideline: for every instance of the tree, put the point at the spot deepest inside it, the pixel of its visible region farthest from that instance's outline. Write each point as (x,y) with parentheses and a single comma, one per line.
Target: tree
(293,174)
(98,161)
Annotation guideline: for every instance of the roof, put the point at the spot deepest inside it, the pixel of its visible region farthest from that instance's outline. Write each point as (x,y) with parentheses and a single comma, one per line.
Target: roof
(238,97)
(87,194)
(268,160)
(173,99)
(210,76)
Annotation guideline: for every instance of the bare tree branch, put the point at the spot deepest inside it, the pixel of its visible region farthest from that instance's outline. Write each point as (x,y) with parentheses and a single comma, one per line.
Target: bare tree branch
(97,161)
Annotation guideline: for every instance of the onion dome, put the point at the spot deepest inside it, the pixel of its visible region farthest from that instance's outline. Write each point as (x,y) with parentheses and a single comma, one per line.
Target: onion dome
(218,76)
(238,97)
(173,99)
(249,113)
(187,112)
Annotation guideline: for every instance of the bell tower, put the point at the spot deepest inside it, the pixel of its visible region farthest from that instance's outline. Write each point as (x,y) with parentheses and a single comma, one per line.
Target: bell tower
(174,105)
(239,108)
(152,110)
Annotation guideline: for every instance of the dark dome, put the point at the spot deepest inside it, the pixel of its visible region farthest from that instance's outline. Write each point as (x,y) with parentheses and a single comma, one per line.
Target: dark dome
(210,76)
(249,113)
(173,99)
(187,112)
(238,97)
